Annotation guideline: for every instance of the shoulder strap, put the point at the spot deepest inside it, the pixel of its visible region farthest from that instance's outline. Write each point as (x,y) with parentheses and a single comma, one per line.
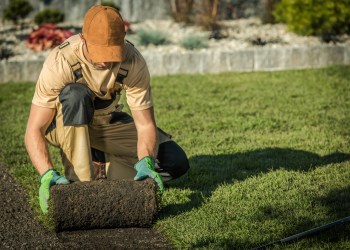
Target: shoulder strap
(123,70)
(122,74)
(68,54)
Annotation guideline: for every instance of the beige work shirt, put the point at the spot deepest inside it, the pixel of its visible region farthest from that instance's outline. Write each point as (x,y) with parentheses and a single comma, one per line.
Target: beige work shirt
(56,74)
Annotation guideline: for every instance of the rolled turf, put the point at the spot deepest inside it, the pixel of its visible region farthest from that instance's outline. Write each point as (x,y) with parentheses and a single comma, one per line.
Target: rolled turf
(104,204)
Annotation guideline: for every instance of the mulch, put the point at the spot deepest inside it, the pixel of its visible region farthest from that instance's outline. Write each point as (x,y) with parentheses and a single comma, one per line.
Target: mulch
(20,230)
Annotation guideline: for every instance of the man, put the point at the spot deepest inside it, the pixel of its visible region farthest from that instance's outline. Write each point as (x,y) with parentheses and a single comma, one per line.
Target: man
(75,107)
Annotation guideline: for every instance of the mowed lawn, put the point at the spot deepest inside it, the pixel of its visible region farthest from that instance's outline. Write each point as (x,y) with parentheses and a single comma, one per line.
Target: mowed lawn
(269,155)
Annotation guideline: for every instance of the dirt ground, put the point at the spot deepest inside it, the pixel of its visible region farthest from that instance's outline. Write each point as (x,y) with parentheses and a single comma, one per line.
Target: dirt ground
(19,229)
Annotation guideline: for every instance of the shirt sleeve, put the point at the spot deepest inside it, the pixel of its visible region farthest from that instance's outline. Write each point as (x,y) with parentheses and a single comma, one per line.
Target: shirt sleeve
(54,75)
(137,86)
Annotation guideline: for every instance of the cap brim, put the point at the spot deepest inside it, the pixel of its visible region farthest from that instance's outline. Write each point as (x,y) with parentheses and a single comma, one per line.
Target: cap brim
(100,54)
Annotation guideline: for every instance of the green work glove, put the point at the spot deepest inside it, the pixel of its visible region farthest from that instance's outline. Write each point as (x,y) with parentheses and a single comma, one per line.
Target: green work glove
(145,168)
(49,178)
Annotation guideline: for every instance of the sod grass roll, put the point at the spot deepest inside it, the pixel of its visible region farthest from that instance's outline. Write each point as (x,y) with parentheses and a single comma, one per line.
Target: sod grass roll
(104,204)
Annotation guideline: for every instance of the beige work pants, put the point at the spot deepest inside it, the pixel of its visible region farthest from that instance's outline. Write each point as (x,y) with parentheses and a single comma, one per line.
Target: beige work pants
(118,140)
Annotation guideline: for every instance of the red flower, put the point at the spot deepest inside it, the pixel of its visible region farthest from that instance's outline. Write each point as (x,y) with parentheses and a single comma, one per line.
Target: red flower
(47,36)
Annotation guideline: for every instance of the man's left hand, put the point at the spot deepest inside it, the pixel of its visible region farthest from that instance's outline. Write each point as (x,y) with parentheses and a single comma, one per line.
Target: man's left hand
(48,179)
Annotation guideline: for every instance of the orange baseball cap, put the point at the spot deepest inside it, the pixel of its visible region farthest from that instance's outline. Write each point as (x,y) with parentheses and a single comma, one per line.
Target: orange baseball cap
(104,32)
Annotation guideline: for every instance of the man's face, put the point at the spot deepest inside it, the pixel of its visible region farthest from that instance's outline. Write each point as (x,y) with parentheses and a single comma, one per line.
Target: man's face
(99,65)
(103,65)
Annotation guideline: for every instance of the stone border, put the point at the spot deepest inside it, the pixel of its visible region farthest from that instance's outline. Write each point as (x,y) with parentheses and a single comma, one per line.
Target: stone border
(253,59)
(209,61)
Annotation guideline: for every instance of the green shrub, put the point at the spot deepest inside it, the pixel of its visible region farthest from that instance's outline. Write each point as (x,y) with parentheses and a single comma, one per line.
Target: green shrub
(315,17)
(194,42)
(49,16)
(151,37)
(17,9)
(110,4)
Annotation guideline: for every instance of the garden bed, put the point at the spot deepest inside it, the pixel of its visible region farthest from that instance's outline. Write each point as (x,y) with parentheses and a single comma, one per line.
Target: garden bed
(233,35)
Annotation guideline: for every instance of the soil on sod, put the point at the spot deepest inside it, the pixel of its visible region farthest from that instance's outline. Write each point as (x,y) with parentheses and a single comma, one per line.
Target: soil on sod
(19,229)
(104,204)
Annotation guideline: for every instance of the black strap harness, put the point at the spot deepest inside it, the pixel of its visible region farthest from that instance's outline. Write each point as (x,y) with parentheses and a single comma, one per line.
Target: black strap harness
(68,54)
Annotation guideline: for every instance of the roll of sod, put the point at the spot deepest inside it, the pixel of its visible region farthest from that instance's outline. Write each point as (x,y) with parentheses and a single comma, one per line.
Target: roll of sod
(104,204)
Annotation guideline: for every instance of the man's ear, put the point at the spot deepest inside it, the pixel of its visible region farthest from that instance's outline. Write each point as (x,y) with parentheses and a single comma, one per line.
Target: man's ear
(82,38)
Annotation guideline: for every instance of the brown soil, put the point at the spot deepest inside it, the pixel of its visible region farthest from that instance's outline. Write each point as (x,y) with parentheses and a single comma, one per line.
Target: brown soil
(19,229)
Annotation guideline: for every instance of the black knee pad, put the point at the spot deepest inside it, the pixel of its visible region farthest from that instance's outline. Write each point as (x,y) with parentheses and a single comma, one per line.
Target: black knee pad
(77,104)
(98,155)
(172,159)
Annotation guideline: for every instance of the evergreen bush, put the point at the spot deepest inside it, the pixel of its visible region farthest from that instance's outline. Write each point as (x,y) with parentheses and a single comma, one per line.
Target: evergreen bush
(110,4)
(49,16)
(16,10)
(315,17)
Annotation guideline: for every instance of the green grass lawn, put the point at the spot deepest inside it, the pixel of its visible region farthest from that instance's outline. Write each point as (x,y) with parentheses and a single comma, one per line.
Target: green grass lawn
(269,155)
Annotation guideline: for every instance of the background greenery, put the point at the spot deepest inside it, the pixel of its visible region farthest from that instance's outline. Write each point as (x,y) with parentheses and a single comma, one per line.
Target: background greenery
(269,155)
(315,17)
(48,16)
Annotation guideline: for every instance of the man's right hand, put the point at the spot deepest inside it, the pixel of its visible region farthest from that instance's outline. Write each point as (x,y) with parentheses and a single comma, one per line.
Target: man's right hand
(146,168)
(48,179)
